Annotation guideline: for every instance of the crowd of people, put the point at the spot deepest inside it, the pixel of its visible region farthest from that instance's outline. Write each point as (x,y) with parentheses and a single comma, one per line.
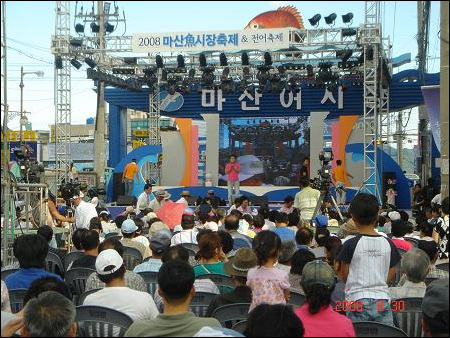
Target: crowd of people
(354,275)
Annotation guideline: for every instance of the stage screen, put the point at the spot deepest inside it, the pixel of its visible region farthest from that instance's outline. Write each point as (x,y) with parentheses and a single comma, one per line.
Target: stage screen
(269,150)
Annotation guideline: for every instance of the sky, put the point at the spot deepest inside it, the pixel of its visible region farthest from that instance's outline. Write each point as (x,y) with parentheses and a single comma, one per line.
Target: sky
(30,26)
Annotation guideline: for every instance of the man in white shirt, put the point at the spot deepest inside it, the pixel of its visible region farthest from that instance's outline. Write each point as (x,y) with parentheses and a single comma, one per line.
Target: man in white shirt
(84,211)
(184,196)
(158,202)
(111,271)
(143,201)
(188,234)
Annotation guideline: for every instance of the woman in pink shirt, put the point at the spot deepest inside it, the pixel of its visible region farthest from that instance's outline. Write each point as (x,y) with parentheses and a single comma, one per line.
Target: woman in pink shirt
(232,169)
(318,317)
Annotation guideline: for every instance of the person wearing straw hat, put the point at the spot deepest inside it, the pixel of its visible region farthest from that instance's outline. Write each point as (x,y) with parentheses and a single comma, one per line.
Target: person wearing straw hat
(184,196)
(161,196)
(244,260)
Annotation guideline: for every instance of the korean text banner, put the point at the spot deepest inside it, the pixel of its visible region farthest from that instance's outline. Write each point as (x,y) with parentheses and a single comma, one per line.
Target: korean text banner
(211,41)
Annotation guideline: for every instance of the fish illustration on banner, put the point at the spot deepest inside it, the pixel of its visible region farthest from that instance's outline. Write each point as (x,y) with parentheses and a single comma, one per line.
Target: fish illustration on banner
(286,16)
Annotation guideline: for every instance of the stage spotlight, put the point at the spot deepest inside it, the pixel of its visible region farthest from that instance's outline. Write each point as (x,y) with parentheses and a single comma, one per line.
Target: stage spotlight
(348,18)
(90,62)
(180,61)
(226,73)
(309,70)
(76,42)
(223,60)
(109,28)
(344,55)
(267,59)
(348,32)
(95,28)
(159,61)
(191,73)
(75,63)
(314,21)
(330,19)
(79,28)
(58,62)
(164,75)
(202,60)
(172,86)
(245,60)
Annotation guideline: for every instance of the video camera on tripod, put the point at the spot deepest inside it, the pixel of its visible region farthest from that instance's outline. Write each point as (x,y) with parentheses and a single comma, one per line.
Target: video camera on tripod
(323,181)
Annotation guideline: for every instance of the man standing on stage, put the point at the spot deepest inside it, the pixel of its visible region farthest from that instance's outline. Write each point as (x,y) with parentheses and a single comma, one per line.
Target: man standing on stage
(129,174)
(339,175)
(232,169)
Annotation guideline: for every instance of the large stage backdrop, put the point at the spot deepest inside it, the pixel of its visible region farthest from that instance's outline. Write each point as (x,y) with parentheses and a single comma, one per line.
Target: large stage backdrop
(269,150)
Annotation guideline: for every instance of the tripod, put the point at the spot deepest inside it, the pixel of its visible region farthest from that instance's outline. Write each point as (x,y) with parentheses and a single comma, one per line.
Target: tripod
(324,194)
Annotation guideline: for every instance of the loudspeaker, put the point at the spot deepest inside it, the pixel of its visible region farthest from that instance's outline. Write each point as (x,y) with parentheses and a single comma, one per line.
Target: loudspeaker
(118,186)
(123,200)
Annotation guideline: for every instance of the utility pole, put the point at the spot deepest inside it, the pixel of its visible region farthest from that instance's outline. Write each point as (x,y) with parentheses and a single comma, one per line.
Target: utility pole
(423,21)
(444,98)
(100,121)
(5,156)
(399,134)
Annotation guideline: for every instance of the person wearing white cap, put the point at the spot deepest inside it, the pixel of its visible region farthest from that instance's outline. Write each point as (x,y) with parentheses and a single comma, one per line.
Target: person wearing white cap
(111,271)
(84,212)
(129,229)
(184,195)
(161,197)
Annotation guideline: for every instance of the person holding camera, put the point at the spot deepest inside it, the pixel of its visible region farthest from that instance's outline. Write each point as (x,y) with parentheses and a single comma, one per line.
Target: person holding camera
(232,169)
(339,175)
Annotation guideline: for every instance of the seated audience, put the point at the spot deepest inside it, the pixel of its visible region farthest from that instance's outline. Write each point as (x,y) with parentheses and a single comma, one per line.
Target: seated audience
(227,243)
(269,284)
(39,319)
(132,280)
(89,244)
(188,234)
(209,254)
(435,309)
(321,236)
(288,205)
(288,249)
(304,237)
(30,251)
(273,321)
(237,268)
(432,250)
(399,230)
(116,295)
(298,261)
(282,230)
(176,287)
(47,232)
(318,317)
(129,229)
(415,265)
(159,244)
(441,230)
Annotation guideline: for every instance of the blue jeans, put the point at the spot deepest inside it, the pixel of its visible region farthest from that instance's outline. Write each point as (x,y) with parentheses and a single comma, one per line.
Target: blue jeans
(375,310)
(128,186)
(231,195)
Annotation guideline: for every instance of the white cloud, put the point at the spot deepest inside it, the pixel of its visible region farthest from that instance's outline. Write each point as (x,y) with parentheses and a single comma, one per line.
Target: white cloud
(277,4)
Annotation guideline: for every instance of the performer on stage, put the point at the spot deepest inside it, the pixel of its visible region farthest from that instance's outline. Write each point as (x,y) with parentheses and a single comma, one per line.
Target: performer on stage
(232,169)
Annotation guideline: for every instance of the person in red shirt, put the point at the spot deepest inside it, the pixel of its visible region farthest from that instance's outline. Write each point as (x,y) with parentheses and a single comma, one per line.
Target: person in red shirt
(129,174)
(232,169)
(399,230)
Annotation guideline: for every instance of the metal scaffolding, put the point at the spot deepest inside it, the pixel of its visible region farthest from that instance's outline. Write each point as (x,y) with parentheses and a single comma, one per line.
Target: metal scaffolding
(366,66)
(61,50)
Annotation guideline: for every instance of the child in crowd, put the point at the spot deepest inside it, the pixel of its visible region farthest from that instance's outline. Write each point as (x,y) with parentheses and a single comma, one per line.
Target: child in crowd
(269,285)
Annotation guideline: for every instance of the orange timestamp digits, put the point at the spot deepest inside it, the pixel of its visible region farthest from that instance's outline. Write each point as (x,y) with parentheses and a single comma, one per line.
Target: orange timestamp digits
(358,306)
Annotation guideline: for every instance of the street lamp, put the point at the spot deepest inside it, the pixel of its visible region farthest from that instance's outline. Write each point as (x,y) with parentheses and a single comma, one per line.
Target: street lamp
(22,74)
